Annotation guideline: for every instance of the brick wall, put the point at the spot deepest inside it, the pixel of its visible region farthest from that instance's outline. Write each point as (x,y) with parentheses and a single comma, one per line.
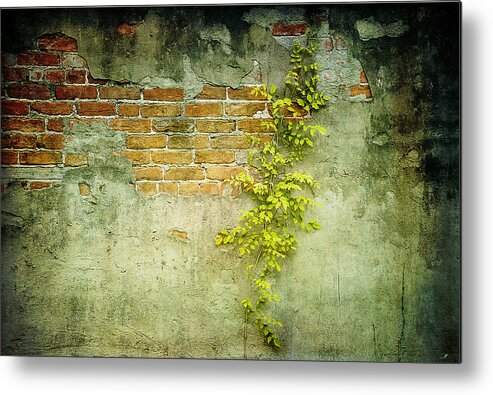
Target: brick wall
(175,145)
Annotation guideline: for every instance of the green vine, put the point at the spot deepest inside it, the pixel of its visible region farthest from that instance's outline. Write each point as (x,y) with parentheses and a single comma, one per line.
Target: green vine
(266,232)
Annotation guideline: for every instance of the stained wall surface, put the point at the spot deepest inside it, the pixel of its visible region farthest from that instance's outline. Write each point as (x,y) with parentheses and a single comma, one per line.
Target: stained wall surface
(119,127)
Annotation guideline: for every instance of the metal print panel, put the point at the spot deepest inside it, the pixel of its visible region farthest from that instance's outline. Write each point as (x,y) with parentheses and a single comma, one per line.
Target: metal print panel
(232,182)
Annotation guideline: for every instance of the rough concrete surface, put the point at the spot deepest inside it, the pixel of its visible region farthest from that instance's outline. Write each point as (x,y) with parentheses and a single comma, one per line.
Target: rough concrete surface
(91,268)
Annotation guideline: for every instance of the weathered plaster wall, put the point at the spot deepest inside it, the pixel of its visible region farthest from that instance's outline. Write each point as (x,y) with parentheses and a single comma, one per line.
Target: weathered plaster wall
(116,273)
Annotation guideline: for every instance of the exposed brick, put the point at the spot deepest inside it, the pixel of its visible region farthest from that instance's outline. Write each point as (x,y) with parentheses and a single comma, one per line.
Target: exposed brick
(173,125)
(160,110)
(128,30)
(244,109)
(9,157)
(148,188)
(73,60)
(39,184)
(84,189)
(55,75)
(55,124)
(97,81)
(211,188)
(76,77)
(188,142)
(137,157)
(253,125)
(51,141)
(164,94)
(131,125)
(119,92)
(40,158)
(244,93)
(215,126)
(362,78)
(6,140)
(57,42)
(357,90)
(14,107)
(93,108)
(168,187)
(233,142)
(75,160)
(288,29)
(171,157)
(189,188)
(340,44)
(87,121)
(222,172)
(146,141)
(38,59)
(214,156)
(29,91)
(128,110)
(212,93)
(148,173)
(52,108)
(75,92)
(23,141)
(329,44)
(184,173)
(212,109)
(23,124)
(14,74)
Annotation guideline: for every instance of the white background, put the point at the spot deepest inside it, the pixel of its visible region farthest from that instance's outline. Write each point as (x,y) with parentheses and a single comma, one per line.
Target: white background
(129,376)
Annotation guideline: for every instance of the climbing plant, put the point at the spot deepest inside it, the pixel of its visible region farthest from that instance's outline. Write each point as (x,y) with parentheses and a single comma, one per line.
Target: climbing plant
(266,233)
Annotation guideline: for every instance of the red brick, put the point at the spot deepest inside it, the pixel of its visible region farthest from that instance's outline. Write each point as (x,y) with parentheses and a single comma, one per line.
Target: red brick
(212,92)
(29,91)
(57,42)
(75,92)
(146,141)
(160,110)
(285,29)
(164,94)
(9,157)
(39,184)
(148,188)
(213,109)
(55,124)
(23,141)
(76,77)
(131,125)
(14,107)
(215,126)
(14,74)
(188,142)
(38,59)
(92,108)
(40,158)
(128,30)
(36,75)
(148,173)
(73,60)
(55,75)
(52,108)
(223,172)
(189,188)
(254,125)
(6,141)
(51,141)
(75,159)
(23,124)
(362,78)
(128,110)
(214,156)
(357,90)
(168,187)
(244,109)
(119,92)
(137,157)
(171,157)
(184,173)
(244,93)
(232,142)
